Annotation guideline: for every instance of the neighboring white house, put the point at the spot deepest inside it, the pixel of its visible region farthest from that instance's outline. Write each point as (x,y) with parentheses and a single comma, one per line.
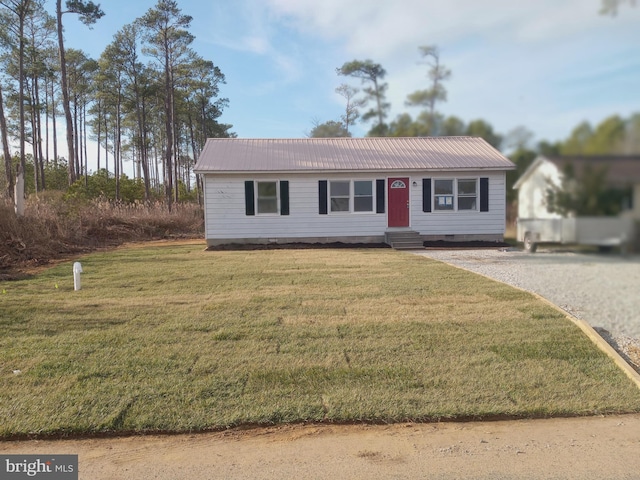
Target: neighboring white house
(532,186)
(352,190)
(537,225)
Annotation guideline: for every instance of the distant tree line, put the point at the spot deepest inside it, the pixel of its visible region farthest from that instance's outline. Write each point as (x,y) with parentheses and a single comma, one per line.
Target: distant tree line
(615,135)
(149,98)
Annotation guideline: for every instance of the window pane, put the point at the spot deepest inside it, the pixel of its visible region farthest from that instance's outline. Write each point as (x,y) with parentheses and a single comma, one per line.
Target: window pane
(467,203)
(267,197)
(339,189)
(363,204)
(267,205)
(339,204)
(267,189)
(443,202)
(362,188)
(443,187)
(466,187)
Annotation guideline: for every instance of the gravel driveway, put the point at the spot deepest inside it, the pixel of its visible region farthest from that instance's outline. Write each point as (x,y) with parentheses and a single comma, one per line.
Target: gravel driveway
(602,289)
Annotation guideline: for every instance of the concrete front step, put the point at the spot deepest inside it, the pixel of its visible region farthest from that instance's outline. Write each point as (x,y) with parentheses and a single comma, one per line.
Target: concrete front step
(404,240)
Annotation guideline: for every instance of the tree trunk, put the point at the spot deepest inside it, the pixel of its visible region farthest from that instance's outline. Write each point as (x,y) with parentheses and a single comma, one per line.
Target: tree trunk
(378,103)
(117,152)
(142,136)
(106,146)
(46,122)
(38,132)
(168,107)
(78,164)
(99,122)
(19,195)
(8,167)
(34,145)
(84,143)
(193,148)
(53,125)
(145,156)
(65,95)
(176,163)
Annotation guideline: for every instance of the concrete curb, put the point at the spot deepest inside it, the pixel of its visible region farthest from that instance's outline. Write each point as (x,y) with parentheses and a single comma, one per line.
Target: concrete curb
(600,342)
(587,329)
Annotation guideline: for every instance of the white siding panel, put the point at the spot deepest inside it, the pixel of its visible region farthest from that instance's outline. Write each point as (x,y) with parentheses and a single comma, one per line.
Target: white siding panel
(458,223)
(226,218)
(532,193)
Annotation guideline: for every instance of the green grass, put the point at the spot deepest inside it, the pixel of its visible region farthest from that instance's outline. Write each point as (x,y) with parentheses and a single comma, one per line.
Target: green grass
(178,339)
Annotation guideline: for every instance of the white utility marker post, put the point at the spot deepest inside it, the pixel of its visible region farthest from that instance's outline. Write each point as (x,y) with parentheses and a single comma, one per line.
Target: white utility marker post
(77,270)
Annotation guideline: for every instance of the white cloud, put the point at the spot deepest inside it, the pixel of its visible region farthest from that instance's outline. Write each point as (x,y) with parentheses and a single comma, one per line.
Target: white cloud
(382,25)
(510,59)
(248,27)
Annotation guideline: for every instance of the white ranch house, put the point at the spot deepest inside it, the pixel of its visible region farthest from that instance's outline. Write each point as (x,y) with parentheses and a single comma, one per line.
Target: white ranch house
(352,190)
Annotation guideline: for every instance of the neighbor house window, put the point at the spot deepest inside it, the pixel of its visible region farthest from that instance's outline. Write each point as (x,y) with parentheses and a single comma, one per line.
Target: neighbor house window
(267,197)
(443,195)
(467,194)
(363,196)
(340,195)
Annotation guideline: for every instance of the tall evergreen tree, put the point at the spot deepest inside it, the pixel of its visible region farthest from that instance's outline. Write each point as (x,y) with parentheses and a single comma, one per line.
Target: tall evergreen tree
(436,92)
(351,110)
(20,10)
(168,41)
(89,13)
(5,44)
(372,73)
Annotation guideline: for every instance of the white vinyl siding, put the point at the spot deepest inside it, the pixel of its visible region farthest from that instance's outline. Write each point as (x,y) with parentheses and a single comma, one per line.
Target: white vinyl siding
(461,222)
(532,192)
(225,211)
(225,216)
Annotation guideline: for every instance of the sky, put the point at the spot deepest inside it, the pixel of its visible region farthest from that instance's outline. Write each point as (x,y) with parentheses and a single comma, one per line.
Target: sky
(546,65)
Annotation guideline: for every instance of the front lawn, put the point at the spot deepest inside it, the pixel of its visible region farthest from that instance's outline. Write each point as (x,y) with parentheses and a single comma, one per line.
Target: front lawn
(173,338)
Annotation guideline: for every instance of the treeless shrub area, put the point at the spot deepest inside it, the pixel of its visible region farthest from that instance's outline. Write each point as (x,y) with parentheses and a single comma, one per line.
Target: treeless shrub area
(53,228)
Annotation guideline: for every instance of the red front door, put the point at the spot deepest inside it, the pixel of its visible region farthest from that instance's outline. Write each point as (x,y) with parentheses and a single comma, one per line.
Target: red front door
(398,195)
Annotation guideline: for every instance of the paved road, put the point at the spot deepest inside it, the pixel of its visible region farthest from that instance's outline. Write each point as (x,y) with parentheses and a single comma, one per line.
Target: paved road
(602,289)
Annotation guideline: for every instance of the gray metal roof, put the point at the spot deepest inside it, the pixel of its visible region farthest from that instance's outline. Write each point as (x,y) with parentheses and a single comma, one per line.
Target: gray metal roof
(619,170)
(349,154)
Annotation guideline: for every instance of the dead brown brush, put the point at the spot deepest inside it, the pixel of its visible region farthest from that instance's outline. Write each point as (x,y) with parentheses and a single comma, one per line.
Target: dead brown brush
(53,228)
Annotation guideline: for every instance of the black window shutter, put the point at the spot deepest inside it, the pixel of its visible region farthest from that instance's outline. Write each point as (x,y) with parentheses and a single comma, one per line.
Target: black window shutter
(484,194)
(249,198)
(284,197)
(322,197)
(426,195)
(380,196)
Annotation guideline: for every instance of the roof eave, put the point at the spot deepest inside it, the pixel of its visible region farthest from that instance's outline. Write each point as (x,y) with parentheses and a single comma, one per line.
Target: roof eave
(375,170)
(534,165)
